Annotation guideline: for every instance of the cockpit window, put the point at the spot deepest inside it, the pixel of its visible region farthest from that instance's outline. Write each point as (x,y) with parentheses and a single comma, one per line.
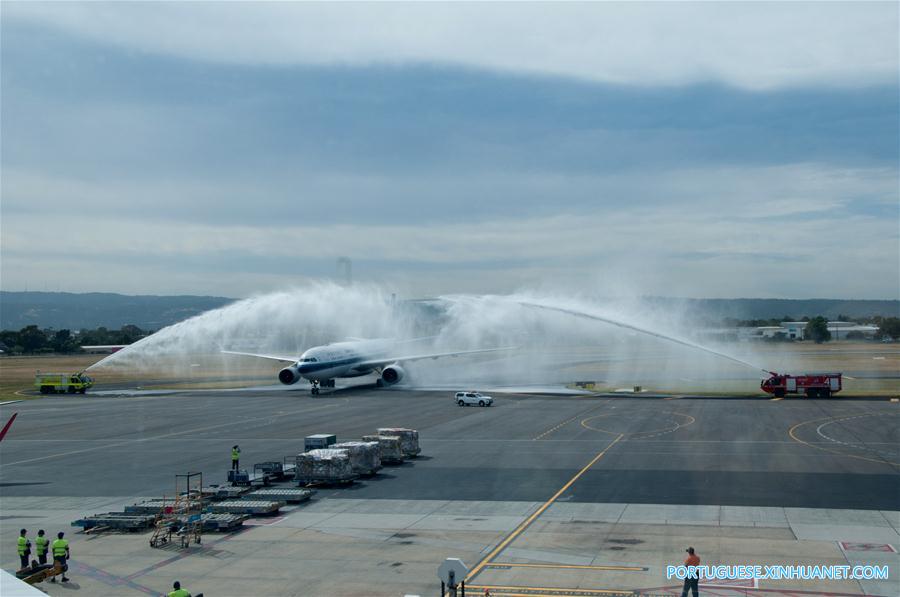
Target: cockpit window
(309,360)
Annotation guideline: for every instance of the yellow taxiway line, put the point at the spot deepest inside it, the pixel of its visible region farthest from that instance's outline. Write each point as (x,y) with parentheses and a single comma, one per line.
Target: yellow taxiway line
(527,522)
(792,430)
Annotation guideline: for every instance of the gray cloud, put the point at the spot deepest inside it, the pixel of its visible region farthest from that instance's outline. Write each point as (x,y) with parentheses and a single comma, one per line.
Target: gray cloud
(764,248)
(757,45)
(167,162)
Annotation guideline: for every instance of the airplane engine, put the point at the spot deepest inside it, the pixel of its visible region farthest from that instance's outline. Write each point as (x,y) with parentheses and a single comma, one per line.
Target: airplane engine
(392,374)
(289,375)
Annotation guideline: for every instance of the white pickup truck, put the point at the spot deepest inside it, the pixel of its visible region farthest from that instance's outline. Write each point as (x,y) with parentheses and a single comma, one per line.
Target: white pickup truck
(473,398)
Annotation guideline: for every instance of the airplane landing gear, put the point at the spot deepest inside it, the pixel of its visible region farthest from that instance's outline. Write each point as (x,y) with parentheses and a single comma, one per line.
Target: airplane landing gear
(325,383)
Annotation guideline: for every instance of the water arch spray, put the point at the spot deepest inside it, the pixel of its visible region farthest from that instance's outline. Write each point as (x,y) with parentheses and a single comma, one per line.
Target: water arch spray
(630,326)
(554,344)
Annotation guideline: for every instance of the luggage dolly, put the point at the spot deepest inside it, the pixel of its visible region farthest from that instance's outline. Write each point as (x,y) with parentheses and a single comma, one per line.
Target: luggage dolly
(40,572)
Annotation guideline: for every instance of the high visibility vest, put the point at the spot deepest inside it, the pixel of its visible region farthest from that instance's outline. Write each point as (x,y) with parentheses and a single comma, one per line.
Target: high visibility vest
(59,547)
(235,453)
(23,545)
(41,543)
(179,593)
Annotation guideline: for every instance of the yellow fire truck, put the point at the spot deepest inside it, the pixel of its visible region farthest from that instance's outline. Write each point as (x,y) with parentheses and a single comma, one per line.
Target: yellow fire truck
(61,383)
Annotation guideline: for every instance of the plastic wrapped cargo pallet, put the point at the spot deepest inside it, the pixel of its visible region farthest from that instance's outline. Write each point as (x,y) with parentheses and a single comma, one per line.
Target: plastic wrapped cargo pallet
(327,466)
(389,448)
(409,439)
(365,457)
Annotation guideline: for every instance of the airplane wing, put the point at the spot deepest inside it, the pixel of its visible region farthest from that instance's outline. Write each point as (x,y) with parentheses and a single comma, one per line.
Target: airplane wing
(372,363)
(8,425)
(271,357)
(419,339)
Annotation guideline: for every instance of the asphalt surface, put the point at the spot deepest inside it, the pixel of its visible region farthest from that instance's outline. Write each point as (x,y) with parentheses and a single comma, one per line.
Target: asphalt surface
(725,451)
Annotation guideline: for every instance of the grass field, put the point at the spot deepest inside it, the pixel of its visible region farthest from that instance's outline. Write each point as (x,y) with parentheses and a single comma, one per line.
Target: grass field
(878,363)
(17,374)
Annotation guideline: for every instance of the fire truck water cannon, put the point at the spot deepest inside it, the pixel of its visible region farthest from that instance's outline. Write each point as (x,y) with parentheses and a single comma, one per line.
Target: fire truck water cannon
(811,385)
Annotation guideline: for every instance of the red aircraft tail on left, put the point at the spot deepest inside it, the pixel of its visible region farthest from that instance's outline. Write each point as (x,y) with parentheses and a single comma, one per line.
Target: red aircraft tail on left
(7,426)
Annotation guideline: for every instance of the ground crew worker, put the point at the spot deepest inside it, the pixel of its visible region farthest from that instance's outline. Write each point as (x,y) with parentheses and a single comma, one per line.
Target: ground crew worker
(235,457)
(60,549)
(24,547)
(178,592)
(41,544)
(691,581)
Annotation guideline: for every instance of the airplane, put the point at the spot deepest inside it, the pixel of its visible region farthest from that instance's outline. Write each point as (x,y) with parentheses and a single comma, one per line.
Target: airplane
(7,426)
(322,364)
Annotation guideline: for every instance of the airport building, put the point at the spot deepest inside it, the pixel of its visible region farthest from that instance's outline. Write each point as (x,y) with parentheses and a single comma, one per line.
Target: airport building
(795,330)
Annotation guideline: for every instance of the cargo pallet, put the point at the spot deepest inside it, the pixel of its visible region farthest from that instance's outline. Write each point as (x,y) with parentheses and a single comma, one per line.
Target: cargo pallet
(148,507)
(365,457)
(306,482)
(324,467)
(222,522)
(289,495)
(119,521)
(409,439)
(251,507)
(390,447)
(224,492)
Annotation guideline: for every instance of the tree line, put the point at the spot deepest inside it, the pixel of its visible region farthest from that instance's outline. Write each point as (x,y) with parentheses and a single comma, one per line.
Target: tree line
(816,328)
(33,340)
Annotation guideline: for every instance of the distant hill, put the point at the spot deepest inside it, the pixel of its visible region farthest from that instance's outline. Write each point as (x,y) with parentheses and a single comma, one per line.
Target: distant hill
(64,310)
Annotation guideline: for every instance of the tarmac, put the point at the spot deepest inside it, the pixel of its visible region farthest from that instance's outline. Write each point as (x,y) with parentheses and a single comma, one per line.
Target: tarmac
(539,494)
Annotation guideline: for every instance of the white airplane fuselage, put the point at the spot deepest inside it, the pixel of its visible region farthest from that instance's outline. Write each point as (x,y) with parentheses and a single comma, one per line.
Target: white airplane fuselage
(321,365)
(341,359)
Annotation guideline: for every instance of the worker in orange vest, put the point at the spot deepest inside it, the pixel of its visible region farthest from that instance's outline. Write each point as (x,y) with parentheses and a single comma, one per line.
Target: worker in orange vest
(692,580)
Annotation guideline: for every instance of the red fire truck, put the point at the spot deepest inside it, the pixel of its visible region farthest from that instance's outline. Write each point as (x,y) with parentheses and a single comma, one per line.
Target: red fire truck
(813,385)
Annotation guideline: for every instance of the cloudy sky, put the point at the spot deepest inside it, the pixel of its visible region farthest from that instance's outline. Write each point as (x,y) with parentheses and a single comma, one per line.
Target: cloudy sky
(680,149)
